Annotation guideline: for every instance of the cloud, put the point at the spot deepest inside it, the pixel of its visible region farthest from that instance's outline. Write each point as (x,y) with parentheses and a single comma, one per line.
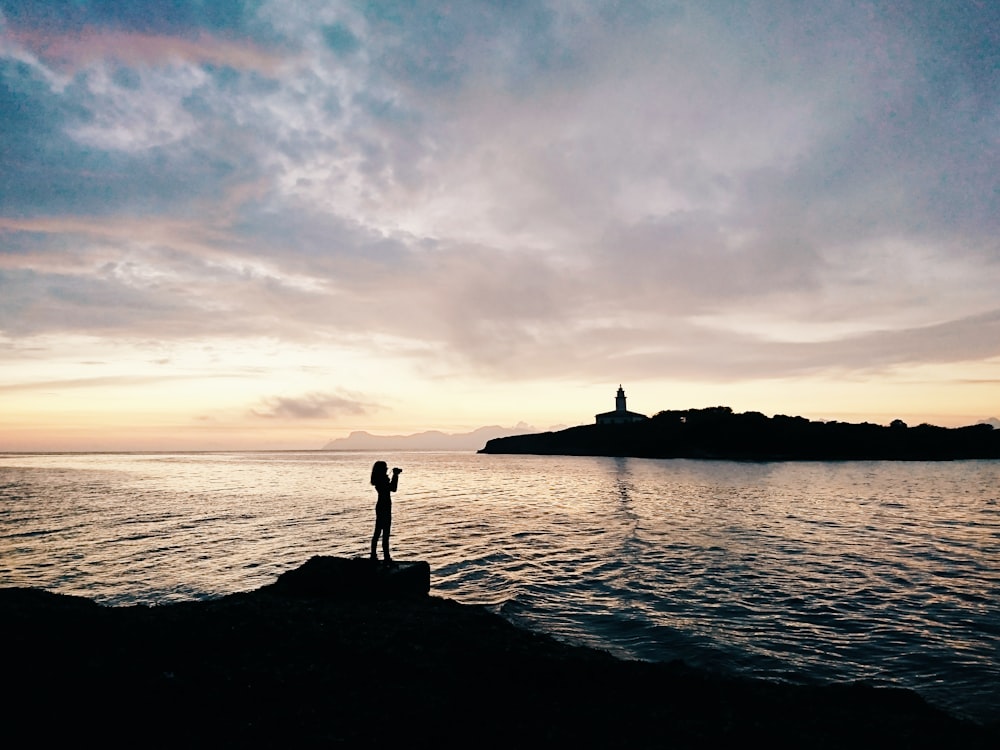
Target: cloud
(116,381)
(181,17)
(522,190)
(133,50)
(312,406)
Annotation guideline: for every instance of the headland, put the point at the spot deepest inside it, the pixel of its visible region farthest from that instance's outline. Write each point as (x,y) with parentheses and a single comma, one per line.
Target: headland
(718,433)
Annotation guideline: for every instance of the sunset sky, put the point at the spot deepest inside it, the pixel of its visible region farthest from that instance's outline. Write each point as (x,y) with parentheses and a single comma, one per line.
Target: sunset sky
(236,225)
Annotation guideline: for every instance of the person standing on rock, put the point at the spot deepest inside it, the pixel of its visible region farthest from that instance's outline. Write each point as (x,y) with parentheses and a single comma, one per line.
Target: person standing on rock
(383,508)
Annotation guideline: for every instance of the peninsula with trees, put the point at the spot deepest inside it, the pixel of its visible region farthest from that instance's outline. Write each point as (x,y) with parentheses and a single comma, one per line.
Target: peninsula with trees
(719,433)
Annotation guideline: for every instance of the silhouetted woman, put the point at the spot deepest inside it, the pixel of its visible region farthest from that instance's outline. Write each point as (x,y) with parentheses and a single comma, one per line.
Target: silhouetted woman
(383,508)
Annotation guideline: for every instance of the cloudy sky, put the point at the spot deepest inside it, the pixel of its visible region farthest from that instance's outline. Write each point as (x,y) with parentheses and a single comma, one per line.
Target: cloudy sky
(257,224)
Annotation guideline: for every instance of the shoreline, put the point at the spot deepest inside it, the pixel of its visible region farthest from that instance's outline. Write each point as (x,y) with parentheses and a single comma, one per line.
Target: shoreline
(269,666)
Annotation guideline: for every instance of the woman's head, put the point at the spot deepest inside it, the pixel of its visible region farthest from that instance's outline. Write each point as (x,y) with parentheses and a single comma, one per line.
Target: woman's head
(379,470)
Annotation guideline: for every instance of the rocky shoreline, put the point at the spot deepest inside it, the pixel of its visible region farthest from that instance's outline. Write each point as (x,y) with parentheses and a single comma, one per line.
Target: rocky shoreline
(322,664)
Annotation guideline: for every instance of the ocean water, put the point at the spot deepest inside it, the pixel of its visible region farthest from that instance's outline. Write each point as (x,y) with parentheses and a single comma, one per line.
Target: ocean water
(881,572)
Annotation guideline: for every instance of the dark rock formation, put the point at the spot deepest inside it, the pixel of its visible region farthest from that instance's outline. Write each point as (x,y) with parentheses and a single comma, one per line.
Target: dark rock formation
(718,433)
(357,577)
(278,668)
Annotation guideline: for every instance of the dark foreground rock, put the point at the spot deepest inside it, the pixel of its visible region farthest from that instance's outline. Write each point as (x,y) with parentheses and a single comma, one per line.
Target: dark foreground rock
(355,578)
(274,668)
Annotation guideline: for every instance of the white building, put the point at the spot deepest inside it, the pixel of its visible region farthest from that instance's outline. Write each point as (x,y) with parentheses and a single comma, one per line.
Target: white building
(620,415)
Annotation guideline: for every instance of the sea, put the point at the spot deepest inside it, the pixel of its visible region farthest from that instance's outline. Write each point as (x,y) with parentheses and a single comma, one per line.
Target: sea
(875,572)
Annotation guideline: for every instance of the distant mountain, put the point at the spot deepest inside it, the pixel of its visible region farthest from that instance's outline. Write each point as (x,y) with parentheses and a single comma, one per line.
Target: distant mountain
(432,440)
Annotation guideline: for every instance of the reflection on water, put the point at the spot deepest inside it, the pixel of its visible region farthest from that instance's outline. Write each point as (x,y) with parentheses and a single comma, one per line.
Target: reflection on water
(884,572)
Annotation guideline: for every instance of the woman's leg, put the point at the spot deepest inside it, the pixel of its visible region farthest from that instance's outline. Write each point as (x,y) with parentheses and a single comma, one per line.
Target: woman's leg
(386,525)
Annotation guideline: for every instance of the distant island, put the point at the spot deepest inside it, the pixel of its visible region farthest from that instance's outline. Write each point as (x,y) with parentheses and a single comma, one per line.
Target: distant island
(718,433)
(432,440)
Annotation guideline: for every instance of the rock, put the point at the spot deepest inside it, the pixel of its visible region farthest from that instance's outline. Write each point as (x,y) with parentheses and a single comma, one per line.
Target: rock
(354,577)
(268,669)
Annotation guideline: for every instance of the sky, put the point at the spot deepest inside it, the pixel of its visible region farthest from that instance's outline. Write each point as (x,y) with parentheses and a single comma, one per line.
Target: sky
(246,224)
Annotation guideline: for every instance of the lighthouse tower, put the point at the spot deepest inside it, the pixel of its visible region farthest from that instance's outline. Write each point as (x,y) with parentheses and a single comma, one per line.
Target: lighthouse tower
(620,415)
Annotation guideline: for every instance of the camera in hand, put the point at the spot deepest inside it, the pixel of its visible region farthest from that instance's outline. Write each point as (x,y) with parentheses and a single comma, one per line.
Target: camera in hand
(397,471)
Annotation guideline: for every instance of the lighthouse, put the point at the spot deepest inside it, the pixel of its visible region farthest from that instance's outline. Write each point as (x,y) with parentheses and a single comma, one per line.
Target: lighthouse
(621,415)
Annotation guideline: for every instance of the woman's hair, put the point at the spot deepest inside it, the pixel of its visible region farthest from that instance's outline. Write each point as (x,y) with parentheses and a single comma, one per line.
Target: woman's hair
(379,470)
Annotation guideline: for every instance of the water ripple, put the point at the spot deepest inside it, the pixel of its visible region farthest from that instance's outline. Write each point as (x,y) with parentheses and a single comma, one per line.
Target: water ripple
(880,572)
